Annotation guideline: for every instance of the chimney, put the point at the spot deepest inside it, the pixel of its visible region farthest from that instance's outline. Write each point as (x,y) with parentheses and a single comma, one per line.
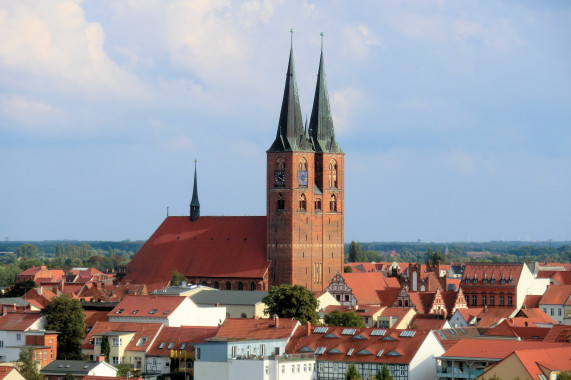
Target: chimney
(308,326)
(40,290)
(100,359)
(276,321)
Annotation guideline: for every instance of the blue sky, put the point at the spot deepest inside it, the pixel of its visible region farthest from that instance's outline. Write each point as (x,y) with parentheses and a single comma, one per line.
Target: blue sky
(455,116)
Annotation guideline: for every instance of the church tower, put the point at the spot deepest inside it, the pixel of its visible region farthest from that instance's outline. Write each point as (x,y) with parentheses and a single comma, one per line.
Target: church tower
(304,192)
(194,203)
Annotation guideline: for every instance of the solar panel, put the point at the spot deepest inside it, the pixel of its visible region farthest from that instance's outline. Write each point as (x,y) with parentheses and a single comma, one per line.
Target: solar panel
(350,352)
(320,350)
(455,332)
(320,330)
(407,333)
(380,353)
(348,331)
(378,332)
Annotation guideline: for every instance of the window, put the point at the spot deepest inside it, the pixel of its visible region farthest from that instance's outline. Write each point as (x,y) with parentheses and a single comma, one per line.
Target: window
(491,300)
(252,286)
(302,172)
(484,300)
(552,311)
(162,345)
(509,300)
(18,336)
(135,311)
(228,285)
(1,344)
(142,341)
(240,285)
(559,312)
(153,311)
(333,173)
(216,285)
(115,360)
(243,315)
(97,341)
(501,300)
(474,300)
(197,353)
(170,346)
(183,346)
(346,297)
(281,202)
(318,204)
(302,202)
(333,204)
(233,352)
(117,342)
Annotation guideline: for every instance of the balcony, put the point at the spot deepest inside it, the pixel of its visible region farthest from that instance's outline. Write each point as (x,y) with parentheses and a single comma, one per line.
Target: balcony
(457,373)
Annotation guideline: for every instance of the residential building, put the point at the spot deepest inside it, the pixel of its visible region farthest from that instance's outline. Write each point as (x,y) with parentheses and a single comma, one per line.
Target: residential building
(469,358)
(536,364)
(465,317)
(40,274)
(554,302)
(409,354)
(238,304)
(357,288)
(44,345)
(14,327)
(58,369)
(170,311)
(9,372)
(396,317)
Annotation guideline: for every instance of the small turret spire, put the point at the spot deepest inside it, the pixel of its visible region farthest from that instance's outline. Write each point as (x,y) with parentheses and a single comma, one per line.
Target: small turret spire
(321,128)
(194,203)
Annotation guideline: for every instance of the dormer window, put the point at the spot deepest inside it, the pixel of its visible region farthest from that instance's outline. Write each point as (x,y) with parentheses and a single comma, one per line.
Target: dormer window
(503,280)
(153,311)
(467,281)
(135,311)
(162,345)
(119,311)
(511,279)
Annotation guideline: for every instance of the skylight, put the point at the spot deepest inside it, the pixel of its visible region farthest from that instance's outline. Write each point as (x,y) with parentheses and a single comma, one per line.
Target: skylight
(388,337)
(320,330)
(358,336)
(334,351)
(162,345)
(306,349)
(393,353)
(348,331)
(183,346)
(320,350)
(350,351)
(380,353)
(330,335)
(407,333)
(119,311)
(378,332)
(135,311)
(153,311)
(171,344)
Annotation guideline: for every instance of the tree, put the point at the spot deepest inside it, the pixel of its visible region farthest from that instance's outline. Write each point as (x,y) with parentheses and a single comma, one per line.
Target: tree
(26,364)
(384,374)
(65,314)
(105,348)
(27,250)
(122,369)
(347,319)
(352,373)
(564,376)
(21,288)
(435,256)
(356,252)
(347,269)
(69,376)
(292,301)
(177,278)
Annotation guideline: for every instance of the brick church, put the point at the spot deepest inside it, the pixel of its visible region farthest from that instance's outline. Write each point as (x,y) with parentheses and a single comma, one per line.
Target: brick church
(299,241)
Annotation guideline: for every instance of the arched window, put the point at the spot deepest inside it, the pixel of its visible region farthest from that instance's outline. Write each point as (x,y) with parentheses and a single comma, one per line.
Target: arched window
(281,202)
(244,315)
(333,204)
(280,164)
(302,203)
(216,285)
(240,286)
(279,173)
(318,204)
(333,173)
(228,285)
(302,172)
(252,286)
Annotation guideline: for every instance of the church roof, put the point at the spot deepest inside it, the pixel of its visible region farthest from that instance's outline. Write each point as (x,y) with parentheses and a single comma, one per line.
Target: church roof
(211,246)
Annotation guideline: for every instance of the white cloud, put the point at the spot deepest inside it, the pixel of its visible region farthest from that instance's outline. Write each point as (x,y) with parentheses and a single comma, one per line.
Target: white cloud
(358,39)
(28,113)
(343,105)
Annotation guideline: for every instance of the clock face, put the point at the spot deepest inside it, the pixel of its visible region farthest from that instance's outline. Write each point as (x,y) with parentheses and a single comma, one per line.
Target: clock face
(279,178)
(302,178)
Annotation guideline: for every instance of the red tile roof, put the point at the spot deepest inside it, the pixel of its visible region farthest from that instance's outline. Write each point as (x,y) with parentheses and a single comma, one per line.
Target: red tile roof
(494,348)
(178,336)
(427,324)
(143,306)
(490,317)
(405,346)
(559,333)
(505,328)
(492,270)
(556,295)
(211,246)
(531,301)
(19,320)
(397,312)
(550,358)
(147,330)
(534,315)
(93,316)
(562,277)
(246,328)
(392,282)
(471,313)
(364,286)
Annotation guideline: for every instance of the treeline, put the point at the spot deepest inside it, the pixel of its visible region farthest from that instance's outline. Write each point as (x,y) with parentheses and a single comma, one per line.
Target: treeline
(492,251)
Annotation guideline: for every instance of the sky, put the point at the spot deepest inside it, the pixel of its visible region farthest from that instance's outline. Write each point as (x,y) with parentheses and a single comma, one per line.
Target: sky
(454,116)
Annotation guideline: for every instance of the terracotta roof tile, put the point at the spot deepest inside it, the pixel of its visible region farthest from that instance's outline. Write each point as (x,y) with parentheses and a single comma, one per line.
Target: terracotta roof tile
(491,316)
(492,271)
(531,301)
(148,330)
(5,371)
(19,320)
(559,333)
(556,295)
(494,348)
(246,328)
(364,286)
(211,246)
(551,358)
(427,324)
(178,336)
(147,306)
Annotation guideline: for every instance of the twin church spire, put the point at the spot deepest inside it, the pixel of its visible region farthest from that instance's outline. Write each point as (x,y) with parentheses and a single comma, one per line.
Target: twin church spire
(291,135)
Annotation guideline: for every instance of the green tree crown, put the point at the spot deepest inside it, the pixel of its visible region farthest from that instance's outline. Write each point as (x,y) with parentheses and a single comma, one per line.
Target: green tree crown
(292,301)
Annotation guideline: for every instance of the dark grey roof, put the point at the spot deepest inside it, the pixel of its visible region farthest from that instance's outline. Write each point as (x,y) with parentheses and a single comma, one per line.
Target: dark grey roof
(78,367)
(228,297)
(14,301)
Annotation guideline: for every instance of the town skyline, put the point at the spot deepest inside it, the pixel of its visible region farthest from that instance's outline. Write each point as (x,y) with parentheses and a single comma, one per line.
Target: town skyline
(453,117)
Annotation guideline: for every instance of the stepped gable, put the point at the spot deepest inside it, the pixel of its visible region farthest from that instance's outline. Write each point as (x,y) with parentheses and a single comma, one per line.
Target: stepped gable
(211,246)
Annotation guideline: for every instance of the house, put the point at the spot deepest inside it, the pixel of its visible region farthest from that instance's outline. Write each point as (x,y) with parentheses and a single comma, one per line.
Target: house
(499,285)
(370,314)
(428,322)
(437,302)
(555,301)
(409,354)
(14,327)
(395,317)
(469,358)
(40,274)
(357,288)
(44,345)
(102,292)
(252,348)
(170,311)
(173,349)
(536,364)
(40,296)
(9,372)
(57,369)
(490,317)
(465,317)
(527,332)
(238,304)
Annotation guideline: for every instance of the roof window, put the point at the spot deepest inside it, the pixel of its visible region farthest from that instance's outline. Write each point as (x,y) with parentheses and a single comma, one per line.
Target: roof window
(306,349)
(330,335)
(119,311)
(378,332)
(393,353)
(388,337)
(162,345)
(171,344)
(348,331)
(135,311)
(183,346)
(153,311)
(358,336)
(334,351)
(350,351)
(320,330)
(407,333)
(142,341)
(320,350)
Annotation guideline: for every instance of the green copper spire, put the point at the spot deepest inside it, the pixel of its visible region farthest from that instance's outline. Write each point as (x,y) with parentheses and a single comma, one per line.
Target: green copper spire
(290,135)
(194,203)
(321,128)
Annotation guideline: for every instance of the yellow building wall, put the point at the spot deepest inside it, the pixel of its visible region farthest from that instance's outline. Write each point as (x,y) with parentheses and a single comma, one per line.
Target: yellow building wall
(508,369)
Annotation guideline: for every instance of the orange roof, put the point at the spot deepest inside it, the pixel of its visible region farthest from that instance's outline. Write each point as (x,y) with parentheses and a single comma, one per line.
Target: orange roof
(505,328)
(211,246)
(531,301)
(141,330)
(394,346)
(392,282)
(147,306)
(559,333)
(491,316)
(364,286)
(19,320)
(562,277)
(556,295)
(492,271)
(5,370)
(180,339)
(551,358)
(245,328)
(469,314)
(397,312)
(364,267)
(92,316)
(427,324)
(494,348)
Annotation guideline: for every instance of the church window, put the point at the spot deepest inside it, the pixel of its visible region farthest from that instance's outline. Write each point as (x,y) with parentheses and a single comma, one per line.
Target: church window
(302,202)
(280,164)
(228,285)
(302,172)
(332,173)
(318,204)
(240,286)
(252,286)
(216,285)
(281,202)
(333,204)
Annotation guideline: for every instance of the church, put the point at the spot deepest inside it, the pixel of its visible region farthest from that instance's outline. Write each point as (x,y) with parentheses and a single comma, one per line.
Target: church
(300,240)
